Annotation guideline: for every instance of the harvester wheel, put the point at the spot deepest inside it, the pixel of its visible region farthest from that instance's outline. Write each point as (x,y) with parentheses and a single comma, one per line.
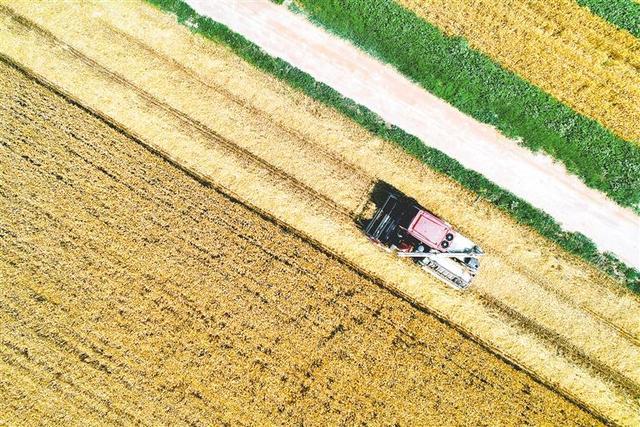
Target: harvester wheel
(449,237)
(444,244)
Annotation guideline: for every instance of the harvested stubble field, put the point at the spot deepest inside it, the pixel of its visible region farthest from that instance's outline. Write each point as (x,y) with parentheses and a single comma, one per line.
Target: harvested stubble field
(131,293)
(216,116)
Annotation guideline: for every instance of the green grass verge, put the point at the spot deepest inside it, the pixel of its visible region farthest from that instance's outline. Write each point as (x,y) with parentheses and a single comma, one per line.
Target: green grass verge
(526,214)
(476,85)
(623,14)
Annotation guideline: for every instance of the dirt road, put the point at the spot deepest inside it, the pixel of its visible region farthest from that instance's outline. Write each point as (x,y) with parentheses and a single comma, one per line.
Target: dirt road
(131,293)
(533,177)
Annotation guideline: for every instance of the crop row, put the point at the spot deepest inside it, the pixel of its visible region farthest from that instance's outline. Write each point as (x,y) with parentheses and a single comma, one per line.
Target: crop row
(522,211)
(563,49)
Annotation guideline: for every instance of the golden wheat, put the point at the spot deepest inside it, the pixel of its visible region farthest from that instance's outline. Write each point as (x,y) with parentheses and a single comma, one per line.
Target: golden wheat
(131,293)
(182,141)
(577,57)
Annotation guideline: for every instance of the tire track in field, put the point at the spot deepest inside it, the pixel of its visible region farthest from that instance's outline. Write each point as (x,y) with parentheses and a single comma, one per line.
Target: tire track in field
(569,350)
(293,133)
(547,286)
(188,121)
(266,214)
(544,284)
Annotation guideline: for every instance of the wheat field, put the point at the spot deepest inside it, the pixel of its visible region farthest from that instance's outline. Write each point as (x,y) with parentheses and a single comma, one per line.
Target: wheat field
(201,107)
(132,293)
(577,57)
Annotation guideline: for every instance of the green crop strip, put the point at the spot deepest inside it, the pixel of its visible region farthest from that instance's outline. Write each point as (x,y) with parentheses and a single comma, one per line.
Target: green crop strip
(523,212)
(474,84)
(623,14)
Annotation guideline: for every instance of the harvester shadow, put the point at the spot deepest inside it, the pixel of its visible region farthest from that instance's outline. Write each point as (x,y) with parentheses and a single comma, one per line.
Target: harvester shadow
(377,197)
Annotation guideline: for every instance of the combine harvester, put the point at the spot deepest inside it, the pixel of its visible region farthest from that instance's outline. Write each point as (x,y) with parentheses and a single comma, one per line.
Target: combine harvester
(402,226)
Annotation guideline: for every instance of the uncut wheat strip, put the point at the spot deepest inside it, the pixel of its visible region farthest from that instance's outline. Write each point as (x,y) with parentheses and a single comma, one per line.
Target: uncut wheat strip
(599,33)
(561,29)
(574,279)
(577,51)
(553,318)
(165,135)
(571,73)
(605,57)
